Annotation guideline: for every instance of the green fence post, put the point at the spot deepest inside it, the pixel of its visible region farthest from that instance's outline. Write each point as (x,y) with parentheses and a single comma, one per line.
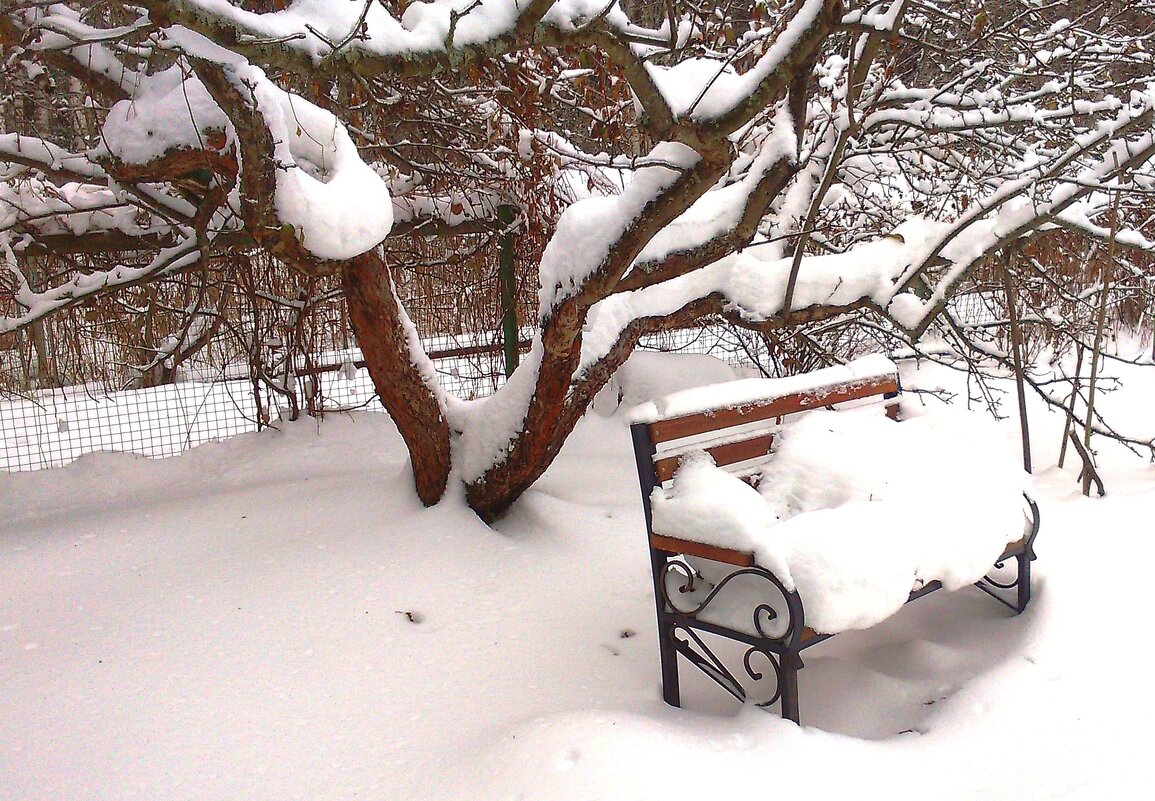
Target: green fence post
(508,282)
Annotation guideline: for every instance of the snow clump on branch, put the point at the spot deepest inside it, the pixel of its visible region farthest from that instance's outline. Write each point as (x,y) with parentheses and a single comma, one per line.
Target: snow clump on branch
(337,204)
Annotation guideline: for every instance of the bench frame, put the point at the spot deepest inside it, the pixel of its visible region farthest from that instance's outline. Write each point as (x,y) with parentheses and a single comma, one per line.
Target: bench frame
(679,626)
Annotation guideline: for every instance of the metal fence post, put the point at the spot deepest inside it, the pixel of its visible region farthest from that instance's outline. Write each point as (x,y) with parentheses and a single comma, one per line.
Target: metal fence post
(508,281)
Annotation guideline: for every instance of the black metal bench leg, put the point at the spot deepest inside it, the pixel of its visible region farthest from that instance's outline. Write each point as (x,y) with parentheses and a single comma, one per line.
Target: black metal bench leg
(667,648)
(1024,584)
(671,690)
(1015,595)
(790,666)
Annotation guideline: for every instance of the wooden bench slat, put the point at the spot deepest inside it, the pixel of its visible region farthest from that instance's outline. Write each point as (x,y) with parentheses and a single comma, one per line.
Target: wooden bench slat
(703,422)
(702,550)
(1014,548)
(731,556)
(726,454)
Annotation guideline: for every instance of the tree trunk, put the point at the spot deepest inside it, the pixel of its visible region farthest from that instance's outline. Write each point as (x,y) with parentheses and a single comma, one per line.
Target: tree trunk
(1100,326)
(547,422)
(1017,352)
(380,327)
(46,377)
(1069,426)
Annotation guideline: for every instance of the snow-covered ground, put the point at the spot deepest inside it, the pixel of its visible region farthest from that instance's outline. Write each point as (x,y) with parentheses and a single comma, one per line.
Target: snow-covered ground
(276,617)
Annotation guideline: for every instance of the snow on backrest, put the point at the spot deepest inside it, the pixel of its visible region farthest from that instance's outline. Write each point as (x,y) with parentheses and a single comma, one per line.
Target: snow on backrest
(739,431)
(758,392)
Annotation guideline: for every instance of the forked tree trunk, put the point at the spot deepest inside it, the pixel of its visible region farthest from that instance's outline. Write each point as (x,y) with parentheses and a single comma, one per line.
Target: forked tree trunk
(548,421)
(378,323)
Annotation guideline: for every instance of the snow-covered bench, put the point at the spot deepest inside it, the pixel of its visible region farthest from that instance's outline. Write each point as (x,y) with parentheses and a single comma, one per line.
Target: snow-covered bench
(783,511)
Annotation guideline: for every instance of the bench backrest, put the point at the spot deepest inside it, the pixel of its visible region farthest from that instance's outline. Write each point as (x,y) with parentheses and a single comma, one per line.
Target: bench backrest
(735,433)
(738,432)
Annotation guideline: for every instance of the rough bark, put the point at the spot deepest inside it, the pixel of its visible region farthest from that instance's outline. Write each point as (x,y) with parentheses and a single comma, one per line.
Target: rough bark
(375,314)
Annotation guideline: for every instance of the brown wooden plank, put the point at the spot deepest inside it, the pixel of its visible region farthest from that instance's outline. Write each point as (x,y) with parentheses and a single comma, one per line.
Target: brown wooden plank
(1014,549)
(701,549)
(689,425)
(731,452)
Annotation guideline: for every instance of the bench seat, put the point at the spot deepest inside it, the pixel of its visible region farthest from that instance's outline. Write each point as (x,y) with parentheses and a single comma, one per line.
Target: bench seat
(855,509)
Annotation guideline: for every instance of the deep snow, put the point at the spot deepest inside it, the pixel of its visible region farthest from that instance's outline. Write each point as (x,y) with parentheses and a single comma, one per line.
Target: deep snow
(235,623)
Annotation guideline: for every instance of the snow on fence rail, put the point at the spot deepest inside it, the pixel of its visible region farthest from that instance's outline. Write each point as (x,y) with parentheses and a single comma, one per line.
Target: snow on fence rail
(50,428)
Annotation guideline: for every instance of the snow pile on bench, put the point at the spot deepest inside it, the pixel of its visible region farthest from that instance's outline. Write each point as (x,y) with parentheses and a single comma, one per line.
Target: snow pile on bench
(855,511)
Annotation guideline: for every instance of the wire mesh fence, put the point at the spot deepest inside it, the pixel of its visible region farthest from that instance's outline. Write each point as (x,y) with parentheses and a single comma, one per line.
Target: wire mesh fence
(50,428)
(978,308)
